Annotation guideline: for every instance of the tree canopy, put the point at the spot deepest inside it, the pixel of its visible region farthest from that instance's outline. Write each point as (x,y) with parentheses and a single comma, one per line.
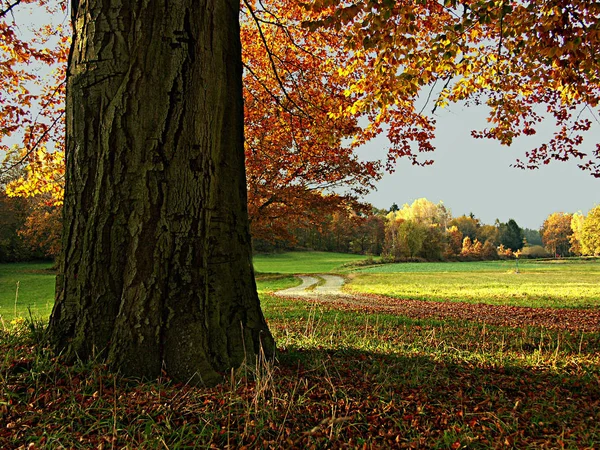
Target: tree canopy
(321,78)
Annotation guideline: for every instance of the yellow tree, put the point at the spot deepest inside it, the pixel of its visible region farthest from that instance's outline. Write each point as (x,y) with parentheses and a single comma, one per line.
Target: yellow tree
(575,239)
(590,233)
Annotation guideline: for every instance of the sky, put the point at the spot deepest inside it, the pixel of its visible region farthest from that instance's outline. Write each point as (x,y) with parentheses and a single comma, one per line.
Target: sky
(474,175)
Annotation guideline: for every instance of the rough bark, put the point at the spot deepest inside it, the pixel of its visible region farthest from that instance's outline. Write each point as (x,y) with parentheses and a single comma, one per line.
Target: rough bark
(156,273)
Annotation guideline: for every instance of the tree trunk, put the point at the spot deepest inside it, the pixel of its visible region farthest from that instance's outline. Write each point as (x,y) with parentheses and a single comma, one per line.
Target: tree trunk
(156,273)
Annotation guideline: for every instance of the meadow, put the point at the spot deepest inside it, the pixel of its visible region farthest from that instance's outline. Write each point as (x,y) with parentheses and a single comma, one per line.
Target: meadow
(556,284)
(303,262)
(26,287)
(342,378)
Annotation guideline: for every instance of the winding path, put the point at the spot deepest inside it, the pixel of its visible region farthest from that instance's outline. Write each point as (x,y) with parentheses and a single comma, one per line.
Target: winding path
(316,286)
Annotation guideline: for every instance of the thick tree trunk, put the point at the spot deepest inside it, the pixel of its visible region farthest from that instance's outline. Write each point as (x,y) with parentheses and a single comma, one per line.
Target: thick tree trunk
(156,273)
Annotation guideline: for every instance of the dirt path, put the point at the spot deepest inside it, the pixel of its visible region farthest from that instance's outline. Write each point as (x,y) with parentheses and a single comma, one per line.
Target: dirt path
(327,290)
(316,287)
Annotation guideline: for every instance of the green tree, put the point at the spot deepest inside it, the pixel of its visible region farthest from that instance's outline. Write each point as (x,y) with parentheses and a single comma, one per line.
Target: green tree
(511,235)
(532,237)
(156,273)
(590,233)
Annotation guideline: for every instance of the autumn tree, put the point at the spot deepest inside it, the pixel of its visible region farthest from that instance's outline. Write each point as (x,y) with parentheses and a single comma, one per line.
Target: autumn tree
(467,225)
(455,240)
(510,56)
(590,233)
(156,273)
(575,239)
(556,233)
(296,153)
(487,233)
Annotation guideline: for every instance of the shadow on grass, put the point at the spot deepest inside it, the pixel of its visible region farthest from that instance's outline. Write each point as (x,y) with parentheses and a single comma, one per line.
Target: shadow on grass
(311,398)
(443,402)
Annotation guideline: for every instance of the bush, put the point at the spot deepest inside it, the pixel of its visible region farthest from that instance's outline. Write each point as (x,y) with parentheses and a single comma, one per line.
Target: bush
(534,251)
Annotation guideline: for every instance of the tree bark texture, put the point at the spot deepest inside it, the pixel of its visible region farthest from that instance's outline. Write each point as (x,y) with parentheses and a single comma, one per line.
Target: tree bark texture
(156,273)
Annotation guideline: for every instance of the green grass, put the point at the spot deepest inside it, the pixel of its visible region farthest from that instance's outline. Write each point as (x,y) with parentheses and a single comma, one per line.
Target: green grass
(303,262)
(342,379)
(36,289)
(568,284)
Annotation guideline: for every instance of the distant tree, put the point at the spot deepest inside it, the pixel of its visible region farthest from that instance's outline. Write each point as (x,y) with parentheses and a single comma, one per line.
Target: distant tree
(575,239)
(511,235)
(489,251)
(433,244)
(425,212)
(43,227)
(394,207)
(590,233)
(13,214)
(467,225)
(404,238)
(454,241)
(556,232)
(532,237)
(487,233)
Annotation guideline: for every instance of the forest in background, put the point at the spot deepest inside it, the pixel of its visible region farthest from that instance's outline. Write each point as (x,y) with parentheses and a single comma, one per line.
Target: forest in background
(30,229)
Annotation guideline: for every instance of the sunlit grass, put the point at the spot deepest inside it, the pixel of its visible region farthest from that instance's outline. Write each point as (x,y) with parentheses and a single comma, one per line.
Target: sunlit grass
(566,285)
(35,289)
(303,262)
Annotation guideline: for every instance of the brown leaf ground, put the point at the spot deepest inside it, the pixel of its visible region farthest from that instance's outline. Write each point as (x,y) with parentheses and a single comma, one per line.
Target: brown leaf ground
(510,316)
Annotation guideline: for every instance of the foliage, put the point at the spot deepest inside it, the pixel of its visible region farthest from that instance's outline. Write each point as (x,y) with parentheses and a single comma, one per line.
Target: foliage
(510,235)
(455,241)
(346,232)
(556,233)
(510,56)
(532,237)
(417,231)
(590,233)
(487,233)
(467,225)
(324,77)
(13,217)
(43,227)
(33,105)
(575,239)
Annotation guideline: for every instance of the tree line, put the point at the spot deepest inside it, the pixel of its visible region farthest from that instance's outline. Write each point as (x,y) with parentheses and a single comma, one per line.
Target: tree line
(424,230)
(30,228)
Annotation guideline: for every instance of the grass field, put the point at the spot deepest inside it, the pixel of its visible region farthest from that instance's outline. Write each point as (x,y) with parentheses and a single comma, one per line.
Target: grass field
(342,378)
(562,284)
(303,262)
(35,292)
